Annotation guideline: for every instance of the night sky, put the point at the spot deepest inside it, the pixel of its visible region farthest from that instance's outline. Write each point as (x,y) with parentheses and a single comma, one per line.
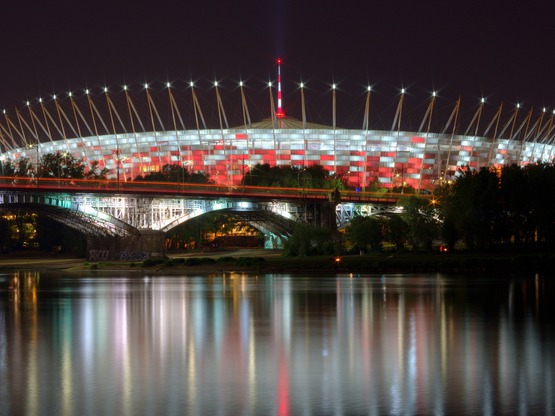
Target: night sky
(496,49)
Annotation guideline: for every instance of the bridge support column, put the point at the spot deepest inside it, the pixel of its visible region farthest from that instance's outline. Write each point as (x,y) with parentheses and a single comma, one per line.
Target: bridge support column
(327,216)
(149,244)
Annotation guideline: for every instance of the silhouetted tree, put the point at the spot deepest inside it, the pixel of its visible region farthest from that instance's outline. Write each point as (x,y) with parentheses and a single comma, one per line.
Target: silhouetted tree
(61,165)
(421,217)
(309,240)
(366,233)
(175,173)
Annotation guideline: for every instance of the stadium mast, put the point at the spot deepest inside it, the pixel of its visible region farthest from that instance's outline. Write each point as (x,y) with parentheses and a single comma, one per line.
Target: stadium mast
(279,112)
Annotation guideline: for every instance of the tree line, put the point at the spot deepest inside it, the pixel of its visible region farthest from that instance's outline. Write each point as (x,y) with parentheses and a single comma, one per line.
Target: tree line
(485,209)
(512,208)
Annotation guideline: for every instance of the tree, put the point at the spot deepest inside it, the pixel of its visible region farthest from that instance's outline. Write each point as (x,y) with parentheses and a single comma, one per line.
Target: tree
(95,172)
(23,167)
(473,207)
(308,240)
(366,233)
(421,218)
(4,233)
(61,165)
(8,168)
(311,177)
(175,173)
(396,231)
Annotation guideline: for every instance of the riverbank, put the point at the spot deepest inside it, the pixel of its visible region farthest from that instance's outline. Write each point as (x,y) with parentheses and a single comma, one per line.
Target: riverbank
(266,261)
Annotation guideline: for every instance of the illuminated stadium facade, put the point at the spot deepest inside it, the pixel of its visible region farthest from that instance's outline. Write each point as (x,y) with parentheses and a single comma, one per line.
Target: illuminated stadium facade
(132,134)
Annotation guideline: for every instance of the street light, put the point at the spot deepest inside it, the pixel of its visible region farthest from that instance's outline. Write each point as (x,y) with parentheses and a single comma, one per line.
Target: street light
(2,158)
(302,170)
(31,146)
(119,158)
(184,165)
(401,172)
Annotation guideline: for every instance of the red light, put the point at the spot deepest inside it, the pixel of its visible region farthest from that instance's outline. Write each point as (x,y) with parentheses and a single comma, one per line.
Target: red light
(280,115)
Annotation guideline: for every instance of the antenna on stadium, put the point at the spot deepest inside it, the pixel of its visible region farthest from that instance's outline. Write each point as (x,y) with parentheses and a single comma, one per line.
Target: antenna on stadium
(279,112)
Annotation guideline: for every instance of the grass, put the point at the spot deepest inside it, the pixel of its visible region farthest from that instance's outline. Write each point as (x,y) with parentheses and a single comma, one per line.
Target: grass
(383,262)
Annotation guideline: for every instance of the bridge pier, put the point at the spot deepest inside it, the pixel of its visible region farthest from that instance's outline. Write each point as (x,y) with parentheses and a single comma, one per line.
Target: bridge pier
(149,244)
(327,217)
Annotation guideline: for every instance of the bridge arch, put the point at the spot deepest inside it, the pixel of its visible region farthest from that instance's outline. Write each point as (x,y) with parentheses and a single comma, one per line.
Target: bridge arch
(276,225)
(63,209)
(144,218)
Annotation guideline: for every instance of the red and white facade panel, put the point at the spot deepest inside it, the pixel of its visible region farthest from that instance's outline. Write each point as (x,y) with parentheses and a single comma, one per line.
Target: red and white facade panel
(362,157)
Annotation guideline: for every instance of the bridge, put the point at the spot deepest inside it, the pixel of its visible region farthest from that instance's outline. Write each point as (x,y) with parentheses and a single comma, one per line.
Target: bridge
(124,217)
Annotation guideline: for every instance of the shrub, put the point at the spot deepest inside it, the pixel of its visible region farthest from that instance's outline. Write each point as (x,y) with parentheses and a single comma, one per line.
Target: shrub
(152,262)
(227,259)
(250,261)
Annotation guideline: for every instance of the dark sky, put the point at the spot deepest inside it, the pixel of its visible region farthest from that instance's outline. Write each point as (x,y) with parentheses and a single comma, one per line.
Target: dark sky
(502,50)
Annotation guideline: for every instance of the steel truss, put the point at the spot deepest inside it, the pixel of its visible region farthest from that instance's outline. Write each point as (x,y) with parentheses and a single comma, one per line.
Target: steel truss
(126,215)
(345,212)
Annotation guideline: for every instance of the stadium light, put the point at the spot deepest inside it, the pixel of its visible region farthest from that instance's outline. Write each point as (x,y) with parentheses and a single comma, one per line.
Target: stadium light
(168,85)
(191,84)
(69,94)
(403,90)
(40,100)
(106,89)
(483,100)
(125,87)
(146,86)
(269,84)
(240,83)
(369,88)
(517,105)
(215,83)
(28,103)
(433,94)
(87,91)
(54,97)
(332,86)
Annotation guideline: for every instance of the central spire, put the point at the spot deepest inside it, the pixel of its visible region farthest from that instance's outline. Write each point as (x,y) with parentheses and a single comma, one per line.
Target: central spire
(279,112)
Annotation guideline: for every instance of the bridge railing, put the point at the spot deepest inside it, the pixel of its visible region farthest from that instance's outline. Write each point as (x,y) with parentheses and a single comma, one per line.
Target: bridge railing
(191,189)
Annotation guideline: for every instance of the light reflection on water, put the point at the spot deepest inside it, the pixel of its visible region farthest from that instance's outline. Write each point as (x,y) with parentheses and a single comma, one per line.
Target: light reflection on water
(275,345)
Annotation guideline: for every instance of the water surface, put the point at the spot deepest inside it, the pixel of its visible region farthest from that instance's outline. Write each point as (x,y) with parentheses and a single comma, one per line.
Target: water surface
(276,345)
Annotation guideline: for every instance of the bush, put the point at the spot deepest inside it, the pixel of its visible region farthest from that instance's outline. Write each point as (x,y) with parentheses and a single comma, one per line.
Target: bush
(152,262)
(227,259)
(250,261)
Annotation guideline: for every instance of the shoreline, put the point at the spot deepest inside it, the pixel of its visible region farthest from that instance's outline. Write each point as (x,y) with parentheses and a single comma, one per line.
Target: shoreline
(267,261)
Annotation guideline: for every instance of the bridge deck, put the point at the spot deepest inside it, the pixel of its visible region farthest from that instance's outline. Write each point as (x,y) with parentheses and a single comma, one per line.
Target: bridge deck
(192,190)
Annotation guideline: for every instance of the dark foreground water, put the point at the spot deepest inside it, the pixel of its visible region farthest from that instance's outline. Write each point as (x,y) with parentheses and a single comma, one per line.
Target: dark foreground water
(276,345)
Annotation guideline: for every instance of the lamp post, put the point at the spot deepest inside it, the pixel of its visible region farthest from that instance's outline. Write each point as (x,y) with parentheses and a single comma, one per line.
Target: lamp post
(184,166)
(36,146)
(119,158)
(117,168)
(301,192)
(299,178)
(401,173)
(245,167)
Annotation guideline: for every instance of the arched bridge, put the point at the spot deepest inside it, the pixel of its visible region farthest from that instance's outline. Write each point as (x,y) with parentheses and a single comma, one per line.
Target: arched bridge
(134,216)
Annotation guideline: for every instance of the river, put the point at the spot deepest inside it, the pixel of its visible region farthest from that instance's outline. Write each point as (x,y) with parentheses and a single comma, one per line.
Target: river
(238,344)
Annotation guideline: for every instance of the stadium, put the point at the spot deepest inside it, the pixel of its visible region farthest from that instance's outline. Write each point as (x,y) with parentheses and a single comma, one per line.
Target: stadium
(140,128)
